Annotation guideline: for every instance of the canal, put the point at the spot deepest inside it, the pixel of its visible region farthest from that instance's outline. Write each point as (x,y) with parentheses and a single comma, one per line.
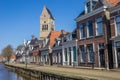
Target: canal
(5,74)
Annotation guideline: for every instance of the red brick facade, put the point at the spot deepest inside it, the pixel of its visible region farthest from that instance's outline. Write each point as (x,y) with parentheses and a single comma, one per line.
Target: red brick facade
(96,40)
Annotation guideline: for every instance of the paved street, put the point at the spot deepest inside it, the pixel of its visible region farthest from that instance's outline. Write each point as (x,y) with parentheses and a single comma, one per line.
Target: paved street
(89,73)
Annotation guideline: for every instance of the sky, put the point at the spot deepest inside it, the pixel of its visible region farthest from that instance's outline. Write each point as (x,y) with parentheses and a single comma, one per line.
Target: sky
(19,19)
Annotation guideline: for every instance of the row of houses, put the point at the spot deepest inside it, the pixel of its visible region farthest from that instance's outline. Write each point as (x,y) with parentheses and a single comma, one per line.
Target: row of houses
(95,41)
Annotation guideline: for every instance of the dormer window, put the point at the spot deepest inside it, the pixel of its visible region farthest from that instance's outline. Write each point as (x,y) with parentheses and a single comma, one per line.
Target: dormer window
(90,5)
(68,37)
(57,41)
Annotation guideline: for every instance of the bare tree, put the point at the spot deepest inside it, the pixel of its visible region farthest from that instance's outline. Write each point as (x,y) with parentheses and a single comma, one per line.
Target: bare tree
(7,52)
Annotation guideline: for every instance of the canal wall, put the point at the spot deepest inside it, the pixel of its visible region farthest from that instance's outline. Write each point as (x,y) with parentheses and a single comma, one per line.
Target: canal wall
(39,75)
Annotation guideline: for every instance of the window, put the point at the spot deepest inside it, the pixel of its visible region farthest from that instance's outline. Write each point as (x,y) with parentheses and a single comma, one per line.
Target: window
(101,46)
(88,7)
(70,50)
(44,21)
(44,27)
(99,26)
(82,31)
(68,37)
(90,53)
(90,28)
(57,43)
(93,4)
(118,25)
(82,54)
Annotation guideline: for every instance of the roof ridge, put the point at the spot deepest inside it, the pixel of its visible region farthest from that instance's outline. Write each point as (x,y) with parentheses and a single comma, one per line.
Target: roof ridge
(49,12)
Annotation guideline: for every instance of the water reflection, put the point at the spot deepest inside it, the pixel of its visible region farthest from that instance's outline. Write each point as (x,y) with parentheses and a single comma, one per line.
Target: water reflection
(5,74)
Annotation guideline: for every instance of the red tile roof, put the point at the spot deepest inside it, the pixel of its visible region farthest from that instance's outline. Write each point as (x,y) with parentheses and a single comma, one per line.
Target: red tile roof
(13,56)
(53,35)
(113,2)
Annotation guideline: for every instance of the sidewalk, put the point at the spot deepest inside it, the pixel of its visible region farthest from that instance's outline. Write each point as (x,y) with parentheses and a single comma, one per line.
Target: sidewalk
(87,73)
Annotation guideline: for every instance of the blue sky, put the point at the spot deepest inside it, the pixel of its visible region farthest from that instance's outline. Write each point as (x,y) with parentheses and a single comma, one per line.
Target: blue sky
(19,19)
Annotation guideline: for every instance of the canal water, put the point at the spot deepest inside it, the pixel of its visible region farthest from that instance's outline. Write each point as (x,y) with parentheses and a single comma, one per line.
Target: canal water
(5,74)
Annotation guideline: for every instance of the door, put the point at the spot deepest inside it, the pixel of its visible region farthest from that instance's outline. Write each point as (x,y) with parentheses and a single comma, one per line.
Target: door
(74,54)
(102,58)
(118,57)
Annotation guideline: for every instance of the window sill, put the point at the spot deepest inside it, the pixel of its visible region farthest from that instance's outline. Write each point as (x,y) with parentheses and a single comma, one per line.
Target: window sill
(82,38)
(99,35)
(82,62)
(90,62)
(90,37)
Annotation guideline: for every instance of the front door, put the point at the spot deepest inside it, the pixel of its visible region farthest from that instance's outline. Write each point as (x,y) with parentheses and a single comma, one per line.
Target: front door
(74,54)
(102,58)
(118,57)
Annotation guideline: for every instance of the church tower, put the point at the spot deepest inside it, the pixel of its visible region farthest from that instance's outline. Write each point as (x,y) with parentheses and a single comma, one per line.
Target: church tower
(46,23)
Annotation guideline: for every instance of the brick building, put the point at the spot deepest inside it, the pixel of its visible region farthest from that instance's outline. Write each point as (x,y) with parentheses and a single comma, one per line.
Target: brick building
(115,34)
(93,33)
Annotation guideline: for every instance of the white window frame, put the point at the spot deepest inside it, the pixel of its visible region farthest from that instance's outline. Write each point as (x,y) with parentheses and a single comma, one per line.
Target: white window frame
(83,25)
(89,53)
(81,54)
(88,29)
(96,24)
(116,25)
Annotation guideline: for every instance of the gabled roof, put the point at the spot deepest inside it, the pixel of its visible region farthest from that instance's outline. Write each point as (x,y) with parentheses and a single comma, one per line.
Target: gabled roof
(34,42)
(113,2)
(50,13)
(45,9)
(52,36)
(100,3)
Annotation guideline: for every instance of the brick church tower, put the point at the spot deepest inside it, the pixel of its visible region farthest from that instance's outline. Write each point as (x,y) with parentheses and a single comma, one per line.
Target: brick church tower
(46,23)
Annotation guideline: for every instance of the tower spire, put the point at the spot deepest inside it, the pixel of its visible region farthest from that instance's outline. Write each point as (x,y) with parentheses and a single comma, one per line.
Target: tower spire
(46,22)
